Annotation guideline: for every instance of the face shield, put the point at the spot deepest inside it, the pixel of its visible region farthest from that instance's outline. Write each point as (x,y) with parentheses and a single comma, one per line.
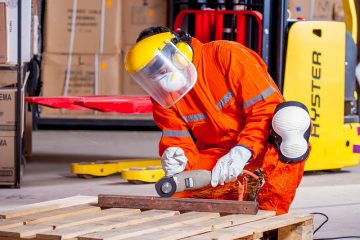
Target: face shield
(168,76)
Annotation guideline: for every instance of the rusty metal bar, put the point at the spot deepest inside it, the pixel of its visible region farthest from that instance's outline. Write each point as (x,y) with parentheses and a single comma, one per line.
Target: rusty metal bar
(179,204)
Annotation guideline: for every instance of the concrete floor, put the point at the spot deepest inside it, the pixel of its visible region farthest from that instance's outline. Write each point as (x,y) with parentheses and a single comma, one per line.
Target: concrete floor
(47,176)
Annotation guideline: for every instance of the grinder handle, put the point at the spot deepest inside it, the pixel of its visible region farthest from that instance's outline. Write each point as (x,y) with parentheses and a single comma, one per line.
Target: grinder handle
(190,180)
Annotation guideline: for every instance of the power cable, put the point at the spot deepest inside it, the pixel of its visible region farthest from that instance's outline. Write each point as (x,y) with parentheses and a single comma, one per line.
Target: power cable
(322,224)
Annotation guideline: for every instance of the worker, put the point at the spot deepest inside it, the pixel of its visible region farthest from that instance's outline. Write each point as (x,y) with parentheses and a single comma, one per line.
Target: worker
(216,106)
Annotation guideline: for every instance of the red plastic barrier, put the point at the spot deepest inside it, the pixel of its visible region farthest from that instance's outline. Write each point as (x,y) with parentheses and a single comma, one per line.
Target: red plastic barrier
(120,104)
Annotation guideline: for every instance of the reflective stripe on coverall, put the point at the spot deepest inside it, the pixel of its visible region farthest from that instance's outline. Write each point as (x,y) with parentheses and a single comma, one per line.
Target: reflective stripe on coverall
(232,103)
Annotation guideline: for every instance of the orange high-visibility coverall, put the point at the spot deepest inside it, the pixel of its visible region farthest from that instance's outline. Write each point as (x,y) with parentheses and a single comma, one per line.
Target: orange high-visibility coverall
(232,103)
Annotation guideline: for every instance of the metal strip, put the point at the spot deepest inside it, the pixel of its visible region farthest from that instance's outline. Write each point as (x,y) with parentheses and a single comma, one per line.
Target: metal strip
(259,97)
(176,133)
(225,100)
(102,26)
(97,75)
(194,118)
(71,48)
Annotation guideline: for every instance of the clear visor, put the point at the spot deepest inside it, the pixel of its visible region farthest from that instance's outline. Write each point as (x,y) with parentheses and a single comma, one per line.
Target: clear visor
(168,76)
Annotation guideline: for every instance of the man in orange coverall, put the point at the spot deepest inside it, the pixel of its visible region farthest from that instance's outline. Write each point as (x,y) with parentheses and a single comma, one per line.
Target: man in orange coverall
(215,104)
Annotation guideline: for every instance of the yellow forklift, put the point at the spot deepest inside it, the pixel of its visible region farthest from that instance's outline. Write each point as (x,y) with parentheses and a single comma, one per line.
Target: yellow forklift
(311,61)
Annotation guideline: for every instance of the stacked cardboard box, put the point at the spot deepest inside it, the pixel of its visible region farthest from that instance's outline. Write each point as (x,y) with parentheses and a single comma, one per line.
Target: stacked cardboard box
(85,42)
(8,96)
(326,10)
(138,15)
(82,50)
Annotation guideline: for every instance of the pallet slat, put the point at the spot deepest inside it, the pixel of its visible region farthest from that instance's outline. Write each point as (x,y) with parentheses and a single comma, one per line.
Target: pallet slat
(73,232)
(47,206)
(27,230)
(249,229)
(152,226)
(32,230)
(183,204)
(103,215)
(187,230)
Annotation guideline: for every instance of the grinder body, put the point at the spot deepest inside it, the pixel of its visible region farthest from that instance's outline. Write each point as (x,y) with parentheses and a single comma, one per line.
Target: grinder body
(188,180)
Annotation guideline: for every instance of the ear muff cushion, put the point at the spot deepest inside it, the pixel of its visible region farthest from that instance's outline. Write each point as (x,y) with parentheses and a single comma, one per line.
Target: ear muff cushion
(186,49)
(180,61)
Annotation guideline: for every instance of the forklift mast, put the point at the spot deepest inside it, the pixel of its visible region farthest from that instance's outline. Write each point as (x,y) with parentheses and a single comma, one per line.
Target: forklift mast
(274,25)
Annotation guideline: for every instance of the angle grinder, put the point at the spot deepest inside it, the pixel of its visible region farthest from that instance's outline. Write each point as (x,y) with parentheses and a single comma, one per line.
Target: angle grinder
(188,180)
(195,179)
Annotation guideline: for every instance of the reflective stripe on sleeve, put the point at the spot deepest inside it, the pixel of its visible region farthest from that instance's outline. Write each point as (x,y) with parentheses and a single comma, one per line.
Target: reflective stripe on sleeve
(224,100)
(259,97)
(194,118)
(176,133)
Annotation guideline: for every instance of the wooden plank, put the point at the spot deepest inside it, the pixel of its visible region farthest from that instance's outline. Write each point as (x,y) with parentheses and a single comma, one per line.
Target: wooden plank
(187,230)
(93,217)
(28,231)
(106,225)
(6,224)
(176,233)
(25,231)
(152,226)
(46,206)
(249,229)
(60,213)
(183,204)
(32,230)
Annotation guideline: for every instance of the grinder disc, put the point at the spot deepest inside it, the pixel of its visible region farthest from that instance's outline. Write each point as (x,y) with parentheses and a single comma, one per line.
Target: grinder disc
(166,187)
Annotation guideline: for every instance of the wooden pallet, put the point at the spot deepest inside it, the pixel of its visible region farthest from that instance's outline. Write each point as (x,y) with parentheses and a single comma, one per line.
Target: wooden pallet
(81,218)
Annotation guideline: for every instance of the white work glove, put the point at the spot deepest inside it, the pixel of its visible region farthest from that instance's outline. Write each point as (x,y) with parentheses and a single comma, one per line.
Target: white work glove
(230,166)
(173,161)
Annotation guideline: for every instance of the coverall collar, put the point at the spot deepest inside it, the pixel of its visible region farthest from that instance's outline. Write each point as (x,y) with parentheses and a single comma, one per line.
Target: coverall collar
(197,47)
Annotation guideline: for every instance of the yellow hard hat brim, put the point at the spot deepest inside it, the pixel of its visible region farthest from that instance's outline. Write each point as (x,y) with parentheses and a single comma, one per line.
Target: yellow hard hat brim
(144,51)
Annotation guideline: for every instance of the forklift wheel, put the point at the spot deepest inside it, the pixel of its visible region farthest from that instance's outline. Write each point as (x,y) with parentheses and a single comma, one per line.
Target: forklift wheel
(85,176)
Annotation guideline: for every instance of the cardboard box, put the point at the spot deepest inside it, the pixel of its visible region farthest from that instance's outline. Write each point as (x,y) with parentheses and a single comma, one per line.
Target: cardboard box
(138,15)
(129,86)
(89,75)
(7,160)
(312,9)
(3,33)
(339,14)
(323,10)
(8,76)
(8,109)
(299,9)
(12,30)
(93,27)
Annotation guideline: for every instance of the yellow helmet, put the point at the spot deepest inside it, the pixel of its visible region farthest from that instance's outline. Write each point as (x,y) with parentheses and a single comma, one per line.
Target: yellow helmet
(143,51)
(162,65)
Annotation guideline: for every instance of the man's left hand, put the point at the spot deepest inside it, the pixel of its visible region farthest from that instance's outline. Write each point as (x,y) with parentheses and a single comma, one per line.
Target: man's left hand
(230,166)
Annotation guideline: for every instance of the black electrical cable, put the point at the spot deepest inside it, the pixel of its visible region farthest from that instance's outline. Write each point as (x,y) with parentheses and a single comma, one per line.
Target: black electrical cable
(322,224)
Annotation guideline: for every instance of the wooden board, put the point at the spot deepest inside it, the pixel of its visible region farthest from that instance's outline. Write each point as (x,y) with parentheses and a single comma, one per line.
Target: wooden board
(46,206)
(89,222)
(183,204)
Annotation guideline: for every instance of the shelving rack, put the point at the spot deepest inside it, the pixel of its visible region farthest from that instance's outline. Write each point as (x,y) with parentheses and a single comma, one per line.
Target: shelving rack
(19,102)
(20,68)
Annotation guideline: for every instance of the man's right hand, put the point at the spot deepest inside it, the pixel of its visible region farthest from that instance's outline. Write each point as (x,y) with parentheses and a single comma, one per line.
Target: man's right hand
(173,161)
